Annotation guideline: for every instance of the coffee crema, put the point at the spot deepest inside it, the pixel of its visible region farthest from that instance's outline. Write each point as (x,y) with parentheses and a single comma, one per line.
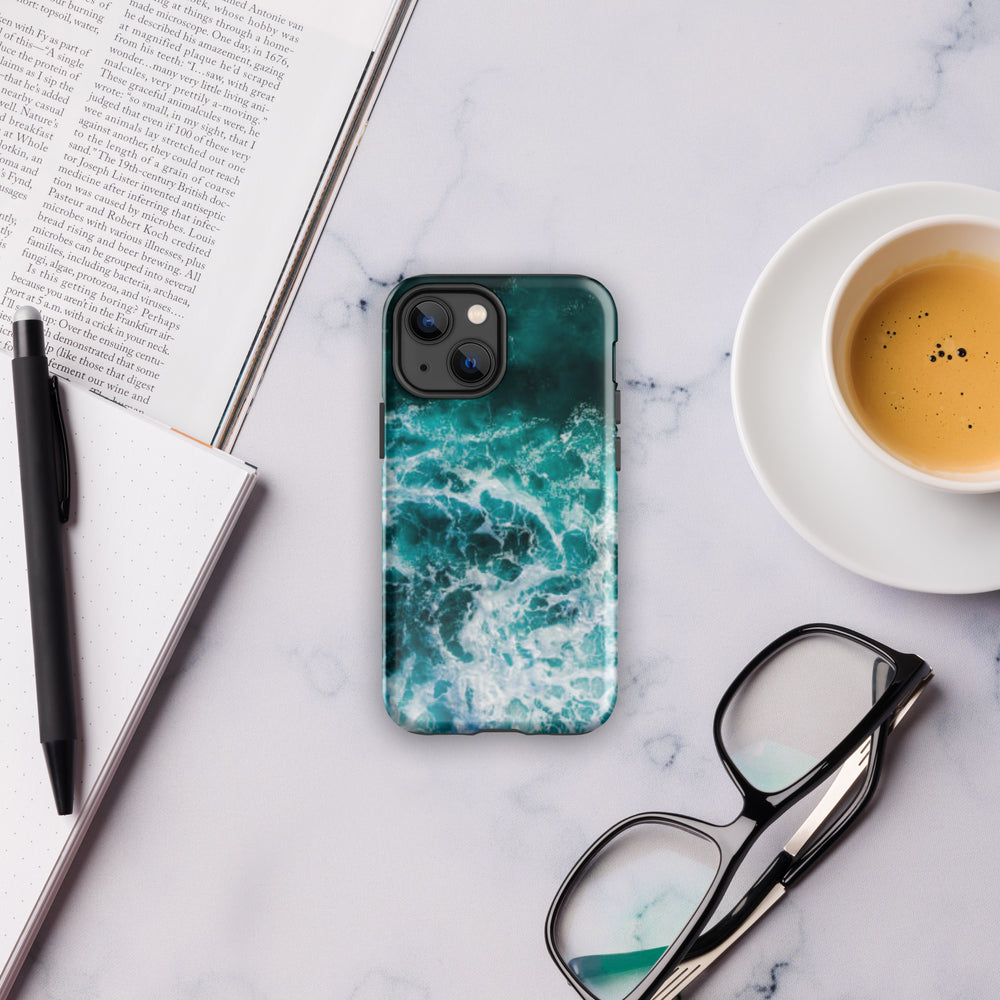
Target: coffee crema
(924,365)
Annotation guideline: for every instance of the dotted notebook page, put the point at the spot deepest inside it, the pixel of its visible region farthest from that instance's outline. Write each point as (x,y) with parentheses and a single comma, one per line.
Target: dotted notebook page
(150,512)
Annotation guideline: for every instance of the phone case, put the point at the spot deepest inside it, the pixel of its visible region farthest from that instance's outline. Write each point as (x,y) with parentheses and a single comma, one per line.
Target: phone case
(499,525)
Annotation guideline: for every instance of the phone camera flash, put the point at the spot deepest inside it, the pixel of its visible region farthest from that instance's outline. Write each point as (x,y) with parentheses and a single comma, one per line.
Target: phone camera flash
(477,313)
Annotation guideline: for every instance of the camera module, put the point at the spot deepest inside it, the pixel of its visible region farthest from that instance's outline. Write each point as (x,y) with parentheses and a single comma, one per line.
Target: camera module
(429,319)
(449,339)
(471,362)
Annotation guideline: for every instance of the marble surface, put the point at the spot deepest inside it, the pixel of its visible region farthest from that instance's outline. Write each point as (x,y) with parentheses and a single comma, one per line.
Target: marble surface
(272,834)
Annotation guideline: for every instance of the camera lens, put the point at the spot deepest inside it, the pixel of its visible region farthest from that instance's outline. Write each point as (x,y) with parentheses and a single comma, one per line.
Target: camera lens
(429,319)
(471,362)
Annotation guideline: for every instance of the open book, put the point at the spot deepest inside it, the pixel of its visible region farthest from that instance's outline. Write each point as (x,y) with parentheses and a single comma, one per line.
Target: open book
(152,510)
(166,167)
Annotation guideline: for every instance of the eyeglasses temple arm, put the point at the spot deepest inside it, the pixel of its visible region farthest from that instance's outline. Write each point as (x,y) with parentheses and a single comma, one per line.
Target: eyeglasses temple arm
(865,764)
(789,866)
(855,767)
(767,890)
(689,969)
(908,704)
(771,886)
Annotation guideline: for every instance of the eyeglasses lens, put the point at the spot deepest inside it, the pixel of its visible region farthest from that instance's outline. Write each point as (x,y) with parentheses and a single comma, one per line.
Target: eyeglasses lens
(797,706)
(632,904)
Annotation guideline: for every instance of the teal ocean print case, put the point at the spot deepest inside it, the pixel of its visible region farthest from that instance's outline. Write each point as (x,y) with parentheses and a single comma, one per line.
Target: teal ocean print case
(499,522)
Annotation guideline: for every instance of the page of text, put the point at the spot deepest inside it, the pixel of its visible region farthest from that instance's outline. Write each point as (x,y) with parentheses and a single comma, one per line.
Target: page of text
(157,157)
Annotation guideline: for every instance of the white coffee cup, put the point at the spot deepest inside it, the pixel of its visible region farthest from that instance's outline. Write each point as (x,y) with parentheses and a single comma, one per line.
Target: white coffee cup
(941,239)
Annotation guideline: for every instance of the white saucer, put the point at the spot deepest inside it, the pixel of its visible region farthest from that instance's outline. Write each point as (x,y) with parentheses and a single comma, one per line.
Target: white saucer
(841,500)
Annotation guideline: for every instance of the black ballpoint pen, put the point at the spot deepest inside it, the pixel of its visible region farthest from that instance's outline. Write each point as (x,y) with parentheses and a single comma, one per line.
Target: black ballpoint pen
(39,434)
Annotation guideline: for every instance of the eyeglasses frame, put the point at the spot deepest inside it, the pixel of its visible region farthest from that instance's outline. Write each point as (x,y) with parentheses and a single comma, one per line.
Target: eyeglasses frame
(865,742)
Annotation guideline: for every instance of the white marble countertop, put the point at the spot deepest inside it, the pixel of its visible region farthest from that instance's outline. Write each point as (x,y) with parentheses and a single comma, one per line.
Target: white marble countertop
(272,834)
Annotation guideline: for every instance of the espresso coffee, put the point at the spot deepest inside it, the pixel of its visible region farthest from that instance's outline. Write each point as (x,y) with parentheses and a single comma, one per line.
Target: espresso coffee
(924,365)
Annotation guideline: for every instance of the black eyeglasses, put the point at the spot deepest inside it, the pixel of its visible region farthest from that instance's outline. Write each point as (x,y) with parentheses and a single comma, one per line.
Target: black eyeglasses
(645,910)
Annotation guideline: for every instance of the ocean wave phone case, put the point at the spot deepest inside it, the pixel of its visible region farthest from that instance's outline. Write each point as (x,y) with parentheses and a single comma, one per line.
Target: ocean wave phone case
(500,510)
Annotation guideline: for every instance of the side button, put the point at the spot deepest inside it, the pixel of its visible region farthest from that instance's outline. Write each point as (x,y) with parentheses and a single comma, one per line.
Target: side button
(618,406)
(618,454)
(381,430)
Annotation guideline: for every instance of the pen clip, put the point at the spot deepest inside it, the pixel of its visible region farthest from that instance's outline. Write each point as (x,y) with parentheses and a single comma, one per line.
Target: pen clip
(61,444)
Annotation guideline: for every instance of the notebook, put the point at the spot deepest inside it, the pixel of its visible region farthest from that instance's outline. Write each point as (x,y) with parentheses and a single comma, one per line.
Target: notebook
(151,512)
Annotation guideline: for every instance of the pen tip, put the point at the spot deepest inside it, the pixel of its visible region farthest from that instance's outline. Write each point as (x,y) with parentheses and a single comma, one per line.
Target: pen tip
(59,757)
(25,313)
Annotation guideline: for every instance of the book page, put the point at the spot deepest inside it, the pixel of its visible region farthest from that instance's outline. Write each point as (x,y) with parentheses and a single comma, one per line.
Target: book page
(156,159)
